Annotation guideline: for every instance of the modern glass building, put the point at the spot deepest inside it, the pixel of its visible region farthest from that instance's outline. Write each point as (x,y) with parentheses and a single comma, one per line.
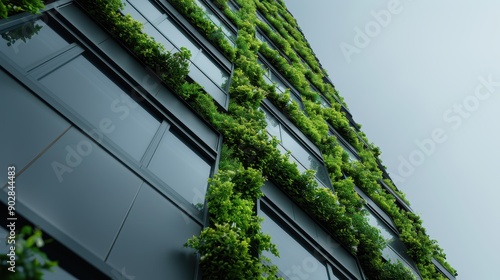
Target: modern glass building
(113,157)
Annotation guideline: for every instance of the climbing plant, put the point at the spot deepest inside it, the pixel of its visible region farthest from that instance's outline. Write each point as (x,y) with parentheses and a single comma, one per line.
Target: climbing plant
(233,242)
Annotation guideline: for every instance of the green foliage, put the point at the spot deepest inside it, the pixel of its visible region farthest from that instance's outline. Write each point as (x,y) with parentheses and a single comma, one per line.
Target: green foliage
(11,7)
(31,262)
(172,68)
(230,248)
(198,18)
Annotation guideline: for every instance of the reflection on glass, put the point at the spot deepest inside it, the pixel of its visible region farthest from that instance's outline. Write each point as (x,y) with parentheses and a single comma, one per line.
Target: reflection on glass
(181,168)
(393,242)
(147,8)
(218,76)
(376,222)
(295,262)
(210,68)
(30,42)
(352,156)
(273,126)
(304,159)
(178,37)
(232,6)
(107,107)
(215,20)
(324,103)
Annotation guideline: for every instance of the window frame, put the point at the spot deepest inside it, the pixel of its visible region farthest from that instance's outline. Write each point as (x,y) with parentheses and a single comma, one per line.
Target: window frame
(294,94)
(204,47)
(405,260)
(295,231)
(299,138)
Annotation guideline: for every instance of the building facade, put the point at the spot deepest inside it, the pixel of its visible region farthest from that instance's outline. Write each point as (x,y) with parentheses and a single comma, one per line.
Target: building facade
(112,161)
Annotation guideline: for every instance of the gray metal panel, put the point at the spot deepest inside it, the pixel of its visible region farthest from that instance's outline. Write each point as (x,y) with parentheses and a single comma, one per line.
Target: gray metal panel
(81,190)
(150,30)
(279,198)
(150,244)
(80,20)
(29,125)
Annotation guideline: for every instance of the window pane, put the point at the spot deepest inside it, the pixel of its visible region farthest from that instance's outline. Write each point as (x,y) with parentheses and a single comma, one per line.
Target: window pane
(324,103)
(178,37)
(30,42)
(113,114)
(260,37)
(273,126)
(295,262)
(232,6)
(279,84)
(352,157)
(211,69)
(147,9)
(181,168)
(374,221)
(301,154)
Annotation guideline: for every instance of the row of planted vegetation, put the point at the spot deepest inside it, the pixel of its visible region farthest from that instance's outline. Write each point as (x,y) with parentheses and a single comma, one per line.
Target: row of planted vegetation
(231,247)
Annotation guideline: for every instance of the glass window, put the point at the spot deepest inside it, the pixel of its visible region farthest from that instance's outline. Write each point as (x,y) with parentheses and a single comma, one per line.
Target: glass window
(324,103)
(218,76)
(261,18)
(300,155)
(376,222)
(31,42)
(272,79)
(107,107)
(181,168)
(225,29)
(296,262)
(260,37)
(304,157)
(233,6)
(210,68)
(273,125)
(393,242)
(149,10)
(178,37)
(352,156)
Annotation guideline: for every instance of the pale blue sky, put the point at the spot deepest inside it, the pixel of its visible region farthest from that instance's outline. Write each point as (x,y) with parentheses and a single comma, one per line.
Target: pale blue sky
(429,66)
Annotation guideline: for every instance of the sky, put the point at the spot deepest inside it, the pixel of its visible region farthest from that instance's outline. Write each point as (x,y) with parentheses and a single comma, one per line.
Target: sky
(423,80)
